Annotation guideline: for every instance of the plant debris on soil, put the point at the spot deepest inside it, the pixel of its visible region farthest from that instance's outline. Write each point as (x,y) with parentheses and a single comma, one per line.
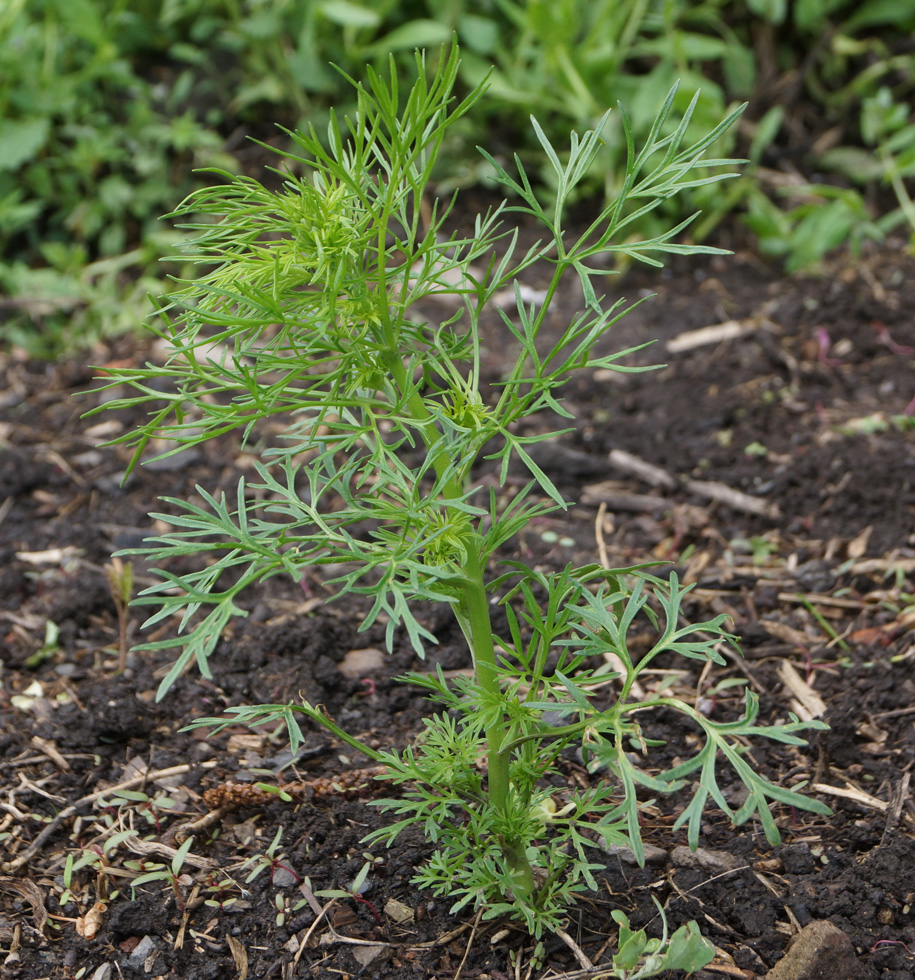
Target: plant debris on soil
(770,462)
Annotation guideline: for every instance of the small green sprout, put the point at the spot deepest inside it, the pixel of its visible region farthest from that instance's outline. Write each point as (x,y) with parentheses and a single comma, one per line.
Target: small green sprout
(356,889)
(171,874)
(640,957)
(120,583)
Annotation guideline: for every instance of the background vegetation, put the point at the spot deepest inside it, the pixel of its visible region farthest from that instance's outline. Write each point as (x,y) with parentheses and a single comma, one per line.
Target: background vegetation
(108,106)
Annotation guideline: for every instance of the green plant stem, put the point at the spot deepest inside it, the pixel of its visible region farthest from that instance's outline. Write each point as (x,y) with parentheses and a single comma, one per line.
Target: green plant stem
(472,613)
(472,608)
(522,365)
(325,721)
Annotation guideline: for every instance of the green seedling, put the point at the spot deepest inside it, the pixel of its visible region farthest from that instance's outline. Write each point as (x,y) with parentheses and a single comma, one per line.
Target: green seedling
(272,858)
(49,649)
(309,309)
(96,858)
(224,892)
(171,874)
(355,890)
(639,957)
(71,867)
(120,583)
(760,548)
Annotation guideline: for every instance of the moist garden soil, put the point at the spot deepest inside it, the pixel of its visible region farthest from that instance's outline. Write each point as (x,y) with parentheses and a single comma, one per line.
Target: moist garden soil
(771,463)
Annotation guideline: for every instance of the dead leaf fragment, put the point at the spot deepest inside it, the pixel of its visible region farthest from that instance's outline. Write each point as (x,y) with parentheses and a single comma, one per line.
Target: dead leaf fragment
(716,333)
(874,732)
(878,566)
(785,633)
(807,704)
(53,556)
(871,636)
(851,793)
(51,751)
(89,924)
(30,893)
(358,663)
(28,698)
(735,499)
(240,955)
(241,744)
(629,463)
(366,955)
(398,913)
(857,547)
(906,621)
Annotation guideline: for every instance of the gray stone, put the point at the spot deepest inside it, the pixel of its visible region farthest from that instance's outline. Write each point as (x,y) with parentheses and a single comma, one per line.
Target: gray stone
(820,951)
(144,947)
(705,859)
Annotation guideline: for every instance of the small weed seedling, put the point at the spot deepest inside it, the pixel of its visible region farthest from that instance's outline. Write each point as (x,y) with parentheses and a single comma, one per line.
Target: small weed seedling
(308,307)
(120,584)
(272,858)
(357,888)
(170,874)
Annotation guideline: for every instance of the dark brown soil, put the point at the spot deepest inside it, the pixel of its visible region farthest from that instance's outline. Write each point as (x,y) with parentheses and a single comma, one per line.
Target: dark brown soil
(803,414)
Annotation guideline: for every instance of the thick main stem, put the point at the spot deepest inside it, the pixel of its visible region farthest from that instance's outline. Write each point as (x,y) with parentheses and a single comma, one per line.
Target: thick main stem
(472,613)
(472,608)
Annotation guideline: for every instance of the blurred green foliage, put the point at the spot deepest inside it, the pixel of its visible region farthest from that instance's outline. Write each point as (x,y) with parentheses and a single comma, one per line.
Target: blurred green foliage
(108,106)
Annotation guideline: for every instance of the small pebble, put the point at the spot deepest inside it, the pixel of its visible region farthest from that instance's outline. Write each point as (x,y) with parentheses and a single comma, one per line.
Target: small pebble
(143,948)
(705,859)
(653,855)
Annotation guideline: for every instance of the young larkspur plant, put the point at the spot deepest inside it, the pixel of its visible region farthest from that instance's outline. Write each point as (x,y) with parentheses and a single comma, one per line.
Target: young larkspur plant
(306,310)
